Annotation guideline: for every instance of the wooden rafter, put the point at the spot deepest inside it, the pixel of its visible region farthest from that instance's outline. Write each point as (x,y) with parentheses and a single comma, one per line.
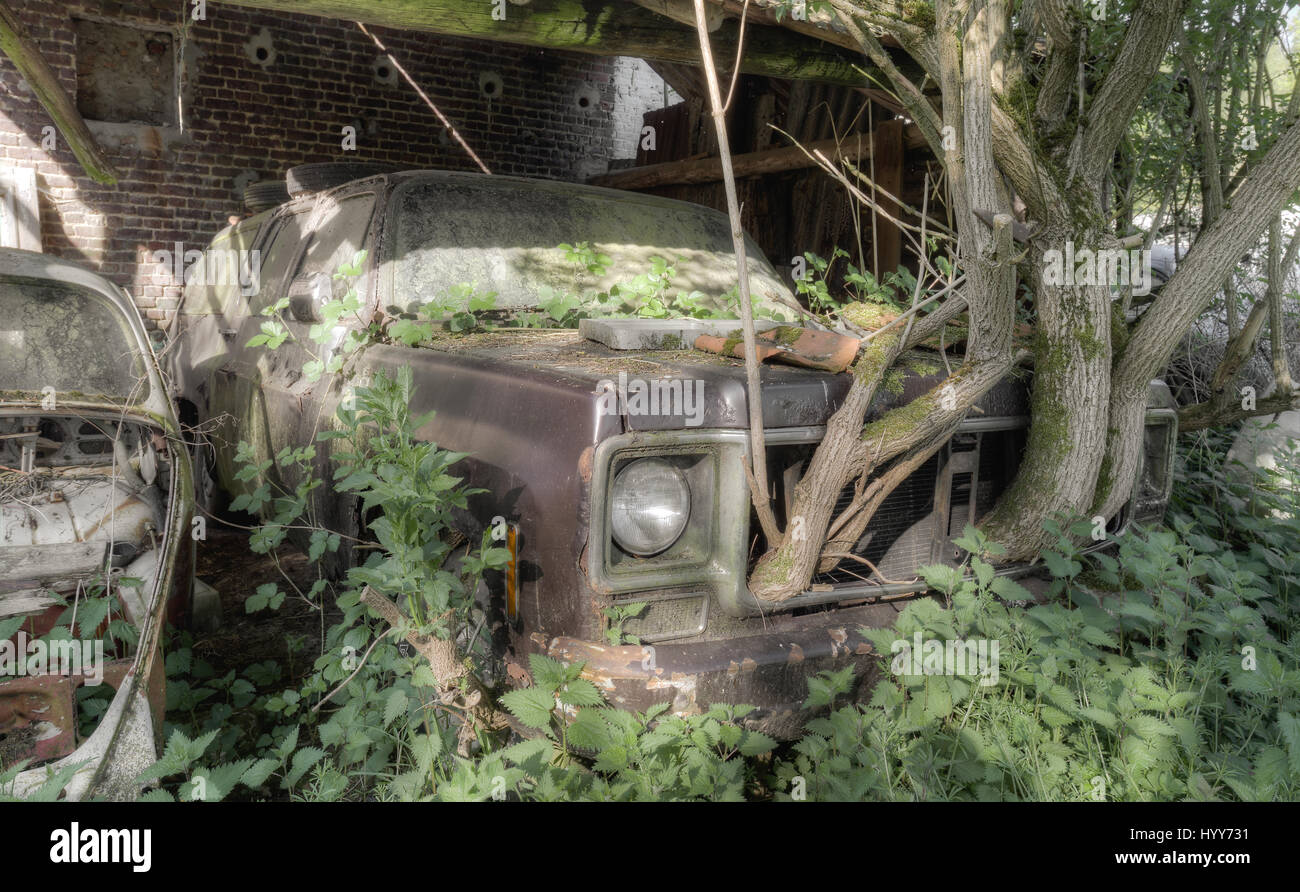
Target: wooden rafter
(27,58)
(612,28)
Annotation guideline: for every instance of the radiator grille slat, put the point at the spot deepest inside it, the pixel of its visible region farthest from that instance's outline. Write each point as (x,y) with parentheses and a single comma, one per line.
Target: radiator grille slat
(898,538)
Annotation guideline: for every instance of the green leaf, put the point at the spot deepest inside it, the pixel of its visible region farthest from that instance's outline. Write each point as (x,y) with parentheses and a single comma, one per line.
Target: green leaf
(756,743)
(580,692)
(532,706)
(10,627)
(941,577)
(303,760)
(395,706)
(258,773)
(1060,566)
(547,673)
(1289,725)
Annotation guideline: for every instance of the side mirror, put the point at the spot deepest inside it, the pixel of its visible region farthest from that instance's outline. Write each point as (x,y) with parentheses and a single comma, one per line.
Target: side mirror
(308,295)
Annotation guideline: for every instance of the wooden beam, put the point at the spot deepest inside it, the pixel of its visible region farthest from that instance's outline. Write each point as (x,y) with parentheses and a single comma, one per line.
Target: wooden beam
(683,11)
(27,58)
(600,27)
(709,170)
(821,29)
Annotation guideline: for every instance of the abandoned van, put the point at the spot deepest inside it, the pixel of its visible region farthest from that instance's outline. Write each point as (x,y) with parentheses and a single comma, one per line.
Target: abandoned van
(613,451)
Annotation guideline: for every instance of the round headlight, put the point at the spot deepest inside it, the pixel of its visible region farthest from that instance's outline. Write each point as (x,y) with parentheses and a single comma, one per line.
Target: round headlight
(650,505)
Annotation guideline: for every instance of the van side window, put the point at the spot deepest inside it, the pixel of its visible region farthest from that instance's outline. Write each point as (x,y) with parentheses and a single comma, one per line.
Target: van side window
(340,235)
(276,257)
(226,276)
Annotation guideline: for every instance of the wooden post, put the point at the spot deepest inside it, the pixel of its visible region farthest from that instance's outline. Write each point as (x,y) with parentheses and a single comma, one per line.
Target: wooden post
(887,161)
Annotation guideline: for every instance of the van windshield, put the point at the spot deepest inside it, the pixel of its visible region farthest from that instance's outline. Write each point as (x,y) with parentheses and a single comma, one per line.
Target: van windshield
(509,236)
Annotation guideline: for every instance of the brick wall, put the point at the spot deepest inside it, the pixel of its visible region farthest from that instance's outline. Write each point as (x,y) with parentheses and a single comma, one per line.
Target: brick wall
(247,119)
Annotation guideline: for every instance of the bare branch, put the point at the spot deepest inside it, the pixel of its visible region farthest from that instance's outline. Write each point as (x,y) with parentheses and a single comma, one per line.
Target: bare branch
(1138,59)
(754,396)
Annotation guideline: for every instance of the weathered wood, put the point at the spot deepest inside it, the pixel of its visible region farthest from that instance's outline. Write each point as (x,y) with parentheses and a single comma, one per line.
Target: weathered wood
(709,170)
(25,602)
(57,560)
(20,213)
(610,29)
(887,172)
(27,58)
(683,12)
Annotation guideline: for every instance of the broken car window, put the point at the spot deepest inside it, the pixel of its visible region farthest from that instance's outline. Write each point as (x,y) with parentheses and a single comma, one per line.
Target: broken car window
(280,252)
(66,337)
(340,235)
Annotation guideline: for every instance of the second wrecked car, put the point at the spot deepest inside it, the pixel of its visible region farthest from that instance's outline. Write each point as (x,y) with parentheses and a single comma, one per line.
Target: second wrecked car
(96,553)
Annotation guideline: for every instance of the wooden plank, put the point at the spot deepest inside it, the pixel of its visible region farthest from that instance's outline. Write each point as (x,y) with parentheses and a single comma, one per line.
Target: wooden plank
(613,28)
(887,165)
(58,560)
(27,58)
(24,602)
(709,170)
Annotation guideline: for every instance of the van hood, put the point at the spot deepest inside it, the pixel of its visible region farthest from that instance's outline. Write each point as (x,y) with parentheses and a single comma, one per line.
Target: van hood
(687,388)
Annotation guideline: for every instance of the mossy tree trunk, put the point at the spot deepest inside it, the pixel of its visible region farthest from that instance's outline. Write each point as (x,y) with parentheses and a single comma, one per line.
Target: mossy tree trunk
(1050,134)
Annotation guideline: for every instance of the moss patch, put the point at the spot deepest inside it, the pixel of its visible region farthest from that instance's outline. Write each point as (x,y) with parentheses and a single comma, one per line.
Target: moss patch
(919,13)
(868,316)
(876,357)
(899,421)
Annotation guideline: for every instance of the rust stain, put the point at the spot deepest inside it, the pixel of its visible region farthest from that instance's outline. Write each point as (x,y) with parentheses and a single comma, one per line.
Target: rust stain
(683,686)
(796,654)
(518,673)
(839,641)
(586,463)
(37,718)
(603,665)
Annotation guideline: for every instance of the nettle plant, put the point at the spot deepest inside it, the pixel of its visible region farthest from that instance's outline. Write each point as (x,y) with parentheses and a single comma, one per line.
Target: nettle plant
(94,622)
(273,332)
(1164,671)
(646,295)
(859,285)
(464,309)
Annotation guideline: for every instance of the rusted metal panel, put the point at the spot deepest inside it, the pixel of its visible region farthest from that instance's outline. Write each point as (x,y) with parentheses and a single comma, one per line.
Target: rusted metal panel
(38,718)
(770,671)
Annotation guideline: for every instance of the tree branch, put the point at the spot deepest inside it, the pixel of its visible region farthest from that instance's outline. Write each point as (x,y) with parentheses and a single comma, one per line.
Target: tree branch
(1193,285)
(759,491)
(1139,57)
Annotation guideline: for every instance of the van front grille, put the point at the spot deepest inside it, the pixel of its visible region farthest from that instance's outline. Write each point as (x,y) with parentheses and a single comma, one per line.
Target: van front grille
(917,521)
